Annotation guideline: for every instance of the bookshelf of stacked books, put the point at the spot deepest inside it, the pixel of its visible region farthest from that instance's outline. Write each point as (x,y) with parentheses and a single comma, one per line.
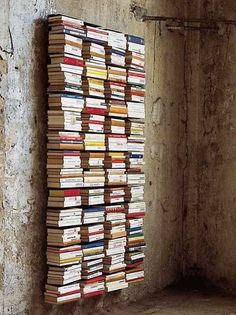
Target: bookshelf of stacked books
(95,241)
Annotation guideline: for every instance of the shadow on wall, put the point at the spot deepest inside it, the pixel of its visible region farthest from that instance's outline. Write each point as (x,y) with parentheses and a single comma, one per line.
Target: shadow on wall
(37,272)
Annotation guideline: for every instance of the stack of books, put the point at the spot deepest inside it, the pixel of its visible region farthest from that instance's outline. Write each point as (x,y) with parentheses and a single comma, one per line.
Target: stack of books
(64,198)
(91,197)
(93,215)
(116,74)
(64,217)
(96,34)
(136,245)
(94,106)
(115,242)
(92,123)
(92,266)
(92,251)
(94,177)
(135,177)
(64,275)
(94,53)
(60,24)
(92,160)
(117,109)
(134,127)
(93,287)
(94,142)
(92,262)
(114,125)
(93,87)
(95,158)
(66,102)
(116,281)
(64,256)
(65,140)
(62,294)
(114,195)
(115,90)
(65,178)
(115,176)
(115,160)
(134,191)
(135,160)
(116,142)
(116,48)
(63,236)
(135,54)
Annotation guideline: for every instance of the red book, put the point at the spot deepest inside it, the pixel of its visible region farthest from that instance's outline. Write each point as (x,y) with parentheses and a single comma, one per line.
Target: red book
(68,293)
(96,30)
(70,138)
(92,233)
(137,93)
(69,24)
(100,278)
(116,136)
(71,153)
(115,209)
(71,192)
(118,160)
(136,74)
(96,122)
(135,214)
(96,111)
(116,102)
(117,84)
(93,293)
(135,264)
(72,61)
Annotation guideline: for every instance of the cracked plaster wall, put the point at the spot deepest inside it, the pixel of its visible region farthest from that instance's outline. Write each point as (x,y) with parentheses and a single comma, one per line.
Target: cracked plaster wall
(217,150)
(23,137)
(190,150)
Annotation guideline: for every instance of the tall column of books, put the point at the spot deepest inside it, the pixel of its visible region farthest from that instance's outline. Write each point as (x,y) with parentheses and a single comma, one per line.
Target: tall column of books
(95,241)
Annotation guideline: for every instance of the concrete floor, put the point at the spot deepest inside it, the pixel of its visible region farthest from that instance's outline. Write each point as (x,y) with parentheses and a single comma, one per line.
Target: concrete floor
(181,302)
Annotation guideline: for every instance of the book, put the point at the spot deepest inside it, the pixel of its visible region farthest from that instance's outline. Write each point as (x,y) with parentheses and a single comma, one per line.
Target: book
(95,158)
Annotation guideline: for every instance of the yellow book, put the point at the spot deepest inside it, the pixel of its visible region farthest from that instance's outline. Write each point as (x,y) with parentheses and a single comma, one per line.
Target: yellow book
(119,110)
(94,81)
(89,70)
(115,154)
(94,143)
(72,260)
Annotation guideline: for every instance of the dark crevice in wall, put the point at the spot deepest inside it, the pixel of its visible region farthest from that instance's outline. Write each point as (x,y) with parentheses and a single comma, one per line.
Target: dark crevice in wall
(6,51)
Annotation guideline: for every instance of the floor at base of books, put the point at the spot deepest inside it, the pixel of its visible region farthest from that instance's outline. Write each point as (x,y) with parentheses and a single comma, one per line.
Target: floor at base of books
(95,159)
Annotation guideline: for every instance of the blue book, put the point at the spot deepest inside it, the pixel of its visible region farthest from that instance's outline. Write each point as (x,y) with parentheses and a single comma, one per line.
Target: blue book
(135,229)
(113,94)
(67,95)
(135,39)
(92,245)
(94,209)
(136,156)
(70,32)
(118,52)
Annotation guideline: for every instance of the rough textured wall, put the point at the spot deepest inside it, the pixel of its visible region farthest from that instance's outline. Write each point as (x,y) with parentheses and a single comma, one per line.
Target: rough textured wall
(217,150)
(23,121)
(191,122)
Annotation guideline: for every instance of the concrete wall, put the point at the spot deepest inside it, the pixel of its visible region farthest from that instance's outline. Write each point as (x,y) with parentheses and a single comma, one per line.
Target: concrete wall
(23,136)
(217,150)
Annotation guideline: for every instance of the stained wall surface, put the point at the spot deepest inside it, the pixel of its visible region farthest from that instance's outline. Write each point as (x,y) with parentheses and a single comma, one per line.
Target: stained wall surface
(23,100)
(217,149)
